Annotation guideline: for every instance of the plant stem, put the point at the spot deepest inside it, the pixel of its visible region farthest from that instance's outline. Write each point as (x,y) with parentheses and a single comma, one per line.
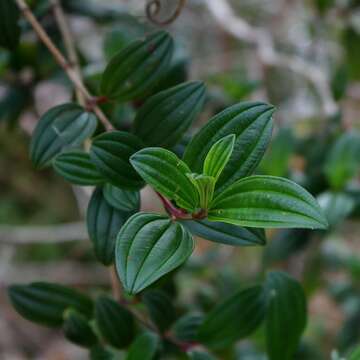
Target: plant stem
(61,60)
(172,210)
(69,44)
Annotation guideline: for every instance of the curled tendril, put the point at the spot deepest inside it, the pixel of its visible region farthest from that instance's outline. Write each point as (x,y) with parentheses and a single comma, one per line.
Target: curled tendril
(153,8)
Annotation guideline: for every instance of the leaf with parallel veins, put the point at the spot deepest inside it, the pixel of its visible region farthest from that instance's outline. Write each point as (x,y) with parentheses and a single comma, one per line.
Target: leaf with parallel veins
(269,202)
(148,247)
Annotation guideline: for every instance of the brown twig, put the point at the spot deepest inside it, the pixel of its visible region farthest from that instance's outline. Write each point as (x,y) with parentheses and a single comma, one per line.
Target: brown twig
(69,44)
(61,60)
(153,8)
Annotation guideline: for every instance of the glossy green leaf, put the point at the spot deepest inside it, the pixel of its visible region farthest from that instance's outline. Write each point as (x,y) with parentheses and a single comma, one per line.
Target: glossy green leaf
(269,202)
(251,122)
(9,28)
(77,329)
(116,323)
(103,224)
(76,167)
(225,233)
(124,200)
(148,247)
(186,327)
(160,308)
(233,319)
(343,161)
(144,347)
(110,152)
(205,186)
(286,305)
(138,67)
(167,115)
(336,206)
(60,128)
(166,173)
(44,303)
(218,156)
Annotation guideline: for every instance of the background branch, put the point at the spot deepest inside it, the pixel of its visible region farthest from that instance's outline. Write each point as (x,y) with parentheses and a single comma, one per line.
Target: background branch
(25,235)
(267,53)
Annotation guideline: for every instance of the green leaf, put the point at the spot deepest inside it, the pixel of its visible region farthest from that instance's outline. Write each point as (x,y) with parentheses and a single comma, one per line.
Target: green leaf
(99,352)
(9,28)
(61,127)
(76,167)
(116,323)
(205,186)
(77,329)
(343,160)
(277,158)
(225,233)
(144,347)
(251,122)
(44,303)
(138,67)
(103,224)
(186,327)
(200,355)
(166,116)
(355,354)
(166,173)
(124,200)
(110,152)
(218,156)
(269,202)
(336,206)
(233,319)
(286,305)
(160,308)
(148,247)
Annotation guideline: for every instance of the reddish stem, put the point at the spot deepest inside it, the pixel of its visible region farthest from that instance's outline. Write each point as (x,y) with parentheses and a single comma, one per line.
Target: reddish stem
(172,210)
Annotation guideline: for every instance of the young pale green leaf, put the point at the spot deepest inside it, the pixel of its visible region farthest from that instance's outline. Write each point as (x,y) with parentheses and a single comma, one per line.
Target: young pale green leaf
(44,303)
(268,202)
(61,127)
(116,323)
(148,247)
(9,27)
(144,347)
(218,156)
(124,200)
(343,160)
(110,152)
(78,330)
(103,224)
(138,67)
(76,167)
(233,319)
(205,186)
(160,308)
(186,328)
(166,116)
(286,304)
(166,173)
(225,233)
(251,122)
